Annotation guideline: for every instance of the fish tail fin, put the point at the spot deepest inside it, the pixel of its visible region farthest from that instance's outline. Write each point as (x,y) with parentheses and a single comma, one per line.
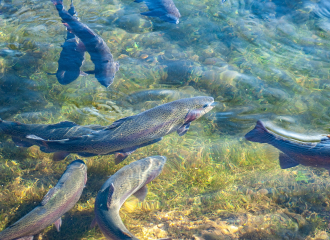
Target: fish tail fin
(258,134)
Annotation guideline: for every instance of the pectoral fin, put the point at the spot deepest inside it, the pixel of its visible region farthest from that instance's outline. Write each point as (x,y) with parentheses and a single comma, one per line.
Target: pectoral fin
(141,193)
(52,192)
(110,193)
(286,161)
(58,224)
(183,129)
(59,156)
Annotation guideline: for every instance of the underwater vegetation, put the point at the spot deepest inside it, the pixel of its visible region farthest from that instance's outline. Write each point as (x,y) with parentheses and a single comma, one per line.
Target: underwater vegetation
(257,59)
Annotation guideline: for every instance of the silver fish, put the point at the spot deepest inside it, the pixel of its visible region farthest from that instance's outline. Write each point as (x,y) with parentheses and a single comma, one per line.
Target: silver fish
(130,180)
(126,135)
(55,203)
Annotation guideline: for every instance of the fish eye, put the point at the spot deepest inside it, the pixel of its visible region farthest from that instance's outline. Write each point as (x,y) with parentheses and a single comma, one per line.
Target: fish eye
(205,106)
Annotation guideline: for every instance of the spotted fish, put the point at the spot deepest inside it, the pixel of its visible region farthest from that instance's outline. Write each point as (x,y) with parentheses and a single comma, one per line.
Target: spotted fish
(105,66)
(164,9)
(130,180)
(126,135)
(61,130)
(294,152)
(56,202)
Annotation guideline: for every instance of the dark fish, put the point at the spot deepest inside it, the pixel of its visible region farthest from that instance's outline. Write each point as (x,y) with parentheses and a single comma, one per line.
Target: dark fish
(105,66)
(56,202)
(130,180)
(126,135)
(294,152)
(71,57)
(164,9)
(57,131)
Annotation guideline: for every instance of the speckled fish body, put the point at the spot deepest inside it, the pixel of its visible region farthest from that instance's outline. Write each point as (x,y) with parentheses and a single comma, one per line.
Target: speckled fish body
(130,180)
(105,66)
(56,202)
(71,58)
(164,9)
(128,134)
(62,130)
(294,152)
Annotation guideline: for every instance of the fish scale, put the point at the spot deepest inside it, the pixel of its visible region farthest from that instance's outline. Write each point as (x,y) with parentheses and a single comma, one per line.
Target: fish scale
(56,202)
(126,135)
(131,179)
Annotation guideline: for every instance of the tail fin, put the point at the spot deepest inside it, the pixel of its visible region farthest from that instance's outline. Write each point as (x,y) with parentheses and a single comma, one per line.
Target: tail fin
(258,134)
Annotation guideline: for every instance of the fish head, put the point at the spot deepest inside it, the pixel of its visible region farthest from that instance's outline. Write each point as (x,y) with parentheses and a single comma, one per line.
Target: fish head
(194,108)
(78,165)
(105,72)
(156,164)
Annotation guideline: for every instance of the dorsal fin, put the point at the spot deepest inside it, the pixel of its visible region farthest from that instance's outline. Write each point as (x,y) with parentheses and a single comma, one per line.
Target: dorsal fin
(110,193)
(52,192)
(63,124)
(117,123)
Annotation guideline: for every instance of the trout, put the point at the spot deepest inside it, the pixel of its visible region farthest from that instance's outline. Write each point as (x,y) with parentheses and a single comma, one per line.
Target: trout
(130,180)
(71,58)
(55,203)
(164,9)
(105,66)
(126,135)
(294,152)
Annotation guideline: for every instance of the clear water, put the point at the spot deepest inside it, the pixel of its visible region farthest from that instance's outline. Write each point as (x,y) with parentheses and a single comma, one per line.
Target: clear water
(259,59)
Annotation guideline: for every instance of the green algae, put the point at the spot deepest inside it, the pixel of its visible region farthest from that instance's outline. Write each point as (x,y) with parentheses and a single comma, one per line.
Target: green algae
(214,185)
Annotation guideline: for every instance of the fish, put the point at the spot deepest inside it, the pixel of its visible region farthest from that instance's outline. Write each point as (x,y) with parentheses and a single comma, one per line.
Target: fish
(55,203)
(66,129)
(105,66)
(293,151)
(129,180)
(164,9)
(71,58)
(126,135)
